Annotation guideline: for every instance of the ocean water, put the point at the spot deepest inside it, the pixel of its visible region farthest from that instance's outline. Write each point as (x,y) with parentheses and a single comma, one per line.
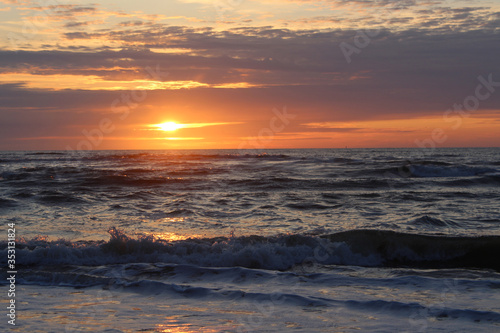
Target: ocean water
(313,240)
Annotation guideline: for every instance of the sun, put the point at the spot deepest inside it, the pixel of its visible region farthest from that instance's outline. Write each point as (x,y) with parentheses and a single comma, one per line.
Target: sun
(169,126)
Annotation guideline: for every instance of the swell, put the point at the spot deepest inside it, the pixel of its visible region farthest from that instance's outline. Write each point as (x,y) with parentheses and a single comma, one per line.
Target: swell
(192,285)
(184,156)
(412,250)
(429,169)
(371,248)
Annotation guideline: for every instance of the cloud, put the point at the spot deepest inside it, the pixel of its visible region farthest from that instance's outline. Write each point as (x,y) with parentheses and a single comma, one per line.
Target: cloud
(405,62)
(425,58)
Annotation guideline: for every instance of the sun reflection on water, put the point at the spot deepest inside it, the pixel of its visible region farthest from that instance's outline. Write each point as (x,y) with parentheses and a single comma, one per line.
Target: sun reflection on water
(173,326)
(169,236)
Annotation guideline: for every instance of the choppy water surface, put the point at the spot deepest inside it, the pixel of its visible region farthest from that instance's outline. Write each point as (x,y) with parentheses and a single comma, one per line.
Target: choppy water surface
(324,240)
(80,196)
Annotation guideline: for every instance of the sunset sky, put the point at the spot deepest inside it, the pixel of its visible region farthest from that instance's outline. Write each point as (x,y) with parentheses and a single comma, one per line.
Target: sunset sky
(250,74)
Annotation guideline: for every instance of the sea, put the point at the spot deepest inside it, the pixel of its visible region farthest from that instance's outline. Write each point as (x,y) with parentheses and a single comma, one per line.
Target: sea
(298,240)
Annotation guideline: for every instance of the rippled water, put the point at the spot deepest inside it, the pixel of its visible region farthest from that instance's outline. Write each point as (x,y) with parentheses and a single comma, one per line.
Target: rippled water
(283,240)
(213,193)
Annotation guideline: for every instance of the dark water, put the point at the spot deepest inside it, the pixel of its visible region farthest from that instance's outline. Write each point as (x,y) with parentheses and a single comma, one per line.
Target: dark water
(80,196)
(352,231)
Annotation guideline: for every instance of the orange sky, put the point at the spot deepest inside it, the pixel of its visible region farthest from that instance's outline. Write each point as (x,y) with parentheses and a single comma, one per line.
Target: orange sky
(249,74)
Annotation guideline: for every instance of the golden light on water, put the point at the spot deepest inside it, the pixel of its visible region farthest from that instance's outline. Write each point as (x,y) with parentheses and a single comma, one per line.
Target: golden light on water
(170,236)
(175,325)
(182,328)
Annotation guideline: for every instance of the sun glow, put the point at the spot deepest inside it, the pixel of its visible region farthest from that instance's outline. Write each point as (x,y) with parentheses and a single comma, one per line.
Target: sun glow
(169,126)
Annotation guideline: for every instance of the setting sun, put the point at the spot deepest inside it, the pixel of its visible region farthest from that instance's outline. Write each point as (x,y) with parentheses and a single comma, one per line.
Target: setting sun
(169,126)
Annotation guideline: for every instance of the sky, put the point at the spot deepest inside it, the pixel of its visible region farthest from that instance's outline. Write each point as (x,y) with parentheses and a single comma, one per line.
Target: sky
(248,74)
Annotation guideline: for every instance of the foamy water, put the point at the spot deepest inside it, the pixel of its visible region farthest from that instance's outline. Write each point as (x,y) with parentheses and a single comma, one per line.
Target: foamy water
(279,240)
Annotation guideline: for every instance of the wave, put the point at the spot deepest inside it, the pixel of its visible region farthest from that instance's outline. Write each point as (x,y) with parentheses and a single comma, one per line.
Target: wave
(357,247)
(125,180)
(424,251)
(151,281)
(489,180)
(7,203)
(428,169)
(416,311)
(57,197)
(447,171)
(9,175)
(183,156)
(47,153)
(307,206)
(432,221)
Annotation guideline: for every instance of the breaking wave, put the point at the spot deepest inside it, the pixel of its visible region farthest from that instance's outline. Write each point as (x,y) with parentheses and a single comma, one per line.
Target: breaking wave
(357,247)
